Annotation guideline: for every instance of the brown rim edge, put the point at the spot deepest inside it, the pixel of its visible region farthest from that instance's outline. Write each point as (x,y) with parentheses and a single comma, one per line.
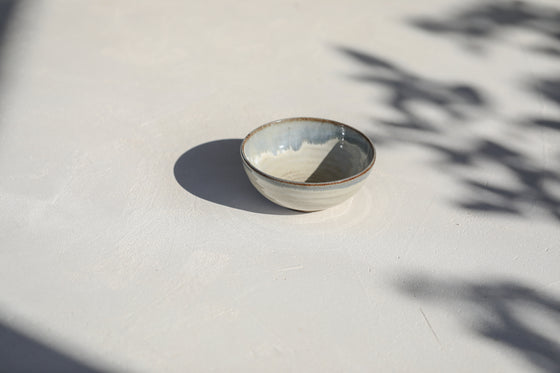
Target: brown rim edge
(303,119)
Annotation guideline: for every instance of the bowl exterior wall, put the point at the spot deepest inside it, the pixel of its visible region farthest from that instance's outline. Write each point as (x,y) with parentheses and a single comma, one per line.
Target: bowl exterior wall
(304,197)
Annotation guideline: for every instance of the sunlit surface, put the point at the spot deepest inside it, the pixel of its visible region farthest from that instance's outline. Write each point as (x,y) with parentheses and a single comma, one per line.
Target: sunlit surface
(131,240)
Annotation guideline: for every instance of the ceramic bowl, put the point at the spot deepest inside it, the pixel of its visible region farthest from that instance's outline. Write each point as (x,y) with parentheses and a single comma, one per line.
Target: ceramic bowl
(307,164)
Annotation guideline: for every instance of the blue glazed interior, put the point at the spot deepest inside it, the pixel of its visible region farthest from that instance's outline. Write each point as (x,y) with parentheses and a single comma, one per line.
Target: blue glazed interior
(351,153)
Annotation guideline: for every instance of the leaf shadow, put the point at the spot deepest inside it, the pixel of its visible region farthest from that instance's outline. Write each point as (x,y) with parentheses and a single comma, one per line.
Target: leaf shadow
(405,91)
(501,311)
(476,25)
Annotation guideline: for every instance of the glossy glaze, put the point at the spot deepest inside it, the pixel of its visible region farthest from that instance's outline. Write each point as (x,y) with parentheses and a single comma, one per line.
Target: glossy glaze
(307,164)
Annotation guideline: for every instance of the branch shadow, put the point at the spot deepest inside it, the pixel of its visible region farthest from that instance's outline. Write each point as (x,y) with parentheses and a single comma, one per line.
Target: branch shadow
(487,21)
(7,11)
(407,91)
(549,89)
(213,171)
(21,353)
(529,188)
(499,311)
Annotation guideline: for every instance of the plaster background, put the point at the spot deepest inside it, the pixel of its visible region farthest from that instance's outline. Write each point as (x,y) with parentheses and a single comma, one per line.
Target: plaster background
(130,239)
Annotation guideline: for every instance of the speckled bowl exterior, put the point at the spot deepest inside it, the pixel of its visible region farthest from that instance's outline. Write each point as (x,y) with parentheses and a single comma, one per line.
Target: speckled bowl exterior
(307,164)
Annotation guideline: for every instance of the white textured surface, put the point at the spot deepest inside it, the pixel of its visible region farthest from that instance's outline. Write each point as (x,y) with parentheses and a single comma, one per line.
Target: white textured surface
(122,253)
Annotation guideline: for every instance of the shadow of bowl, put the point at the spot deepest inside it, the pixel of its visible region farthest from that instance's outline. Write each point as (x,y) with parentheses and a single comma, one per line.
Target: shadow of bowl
(213,171)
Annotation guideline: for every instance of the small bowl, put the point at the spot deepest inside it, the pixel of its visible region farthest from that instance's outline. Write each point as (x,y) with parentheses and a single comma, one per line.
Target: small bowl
(307,164)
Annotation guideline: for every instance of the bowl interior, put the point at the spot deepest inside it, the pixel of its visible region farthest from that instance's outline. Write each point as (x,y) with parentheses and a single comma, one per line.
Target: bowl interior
(305,150)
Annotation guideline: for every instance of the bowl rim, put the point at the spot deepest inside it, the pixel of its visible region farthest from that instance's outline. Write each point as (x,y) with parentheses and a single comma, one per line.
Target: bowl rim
(307,119)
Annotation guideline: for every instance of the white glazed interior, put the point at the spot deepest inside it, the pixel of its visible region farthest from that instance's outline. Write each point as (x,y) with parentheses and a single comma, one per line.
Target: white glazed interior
(308,150)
